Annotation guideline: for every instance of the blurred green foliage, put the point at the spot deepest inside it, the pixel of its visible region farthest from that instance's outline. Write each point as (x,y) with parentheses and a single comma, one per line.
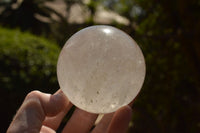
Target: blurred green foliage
(167,32)
(26,61)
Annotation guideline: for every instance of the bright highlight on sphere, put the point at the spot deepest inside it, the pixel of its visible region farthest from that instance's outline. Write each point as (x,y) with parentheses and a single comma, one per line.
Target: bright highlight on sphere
(101,69)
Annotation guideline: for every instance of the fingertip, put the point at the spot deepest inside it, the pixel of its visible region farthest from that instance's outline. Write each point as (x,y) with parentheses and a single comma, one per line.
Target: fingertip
(124,113)
(120,120)
(56,103)
(127,109)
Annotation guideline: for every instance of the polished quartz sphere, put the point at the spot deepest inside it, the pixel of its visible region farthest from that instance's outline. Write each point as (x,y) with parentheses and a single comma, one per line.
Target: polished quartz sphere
(101,69)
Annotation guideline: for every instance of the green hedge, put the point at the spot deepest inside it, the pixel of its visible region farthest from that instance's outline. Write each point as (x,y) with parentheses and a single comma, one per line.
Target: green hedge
(26,61)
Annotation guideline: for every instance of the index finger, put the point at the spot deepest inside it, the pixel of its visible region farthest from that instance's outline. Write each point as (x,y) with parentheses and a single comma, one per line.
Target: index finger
(54,122)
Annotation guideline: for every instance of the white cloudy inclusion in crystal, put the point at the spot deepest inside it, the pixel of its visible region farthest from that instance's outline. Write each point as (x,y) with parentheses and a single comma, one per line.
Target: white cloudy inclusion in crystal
(101,69)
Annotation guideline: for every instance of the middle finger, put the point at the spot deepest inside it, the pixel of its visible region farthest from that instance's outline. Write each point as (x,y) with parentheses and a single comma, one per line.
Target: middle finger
(80,122)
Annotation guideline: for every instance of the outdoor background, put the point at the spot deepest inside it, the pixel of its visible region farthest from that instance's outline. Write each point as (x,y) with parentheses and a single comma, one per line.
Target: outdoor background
(32,33)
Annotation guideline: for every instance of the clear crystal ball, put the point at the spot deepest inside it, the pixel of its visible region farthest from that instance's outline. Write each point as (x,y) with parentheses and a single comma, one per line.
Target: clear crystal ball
(101,69)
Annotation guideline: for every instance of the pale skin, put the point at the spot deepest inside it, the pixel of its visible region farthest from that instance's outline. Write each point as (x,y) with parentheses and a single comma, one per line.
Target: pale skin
(43,113)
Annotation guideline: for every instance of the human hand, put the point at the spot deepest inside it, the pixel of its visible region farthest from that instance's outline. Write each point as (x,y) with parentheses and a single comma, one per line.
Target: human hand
(43,113)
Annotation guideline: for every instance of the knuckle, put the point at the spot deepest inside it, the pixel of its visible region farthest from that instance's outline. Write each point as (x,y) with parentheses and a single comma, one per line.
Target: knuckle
(33,94)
